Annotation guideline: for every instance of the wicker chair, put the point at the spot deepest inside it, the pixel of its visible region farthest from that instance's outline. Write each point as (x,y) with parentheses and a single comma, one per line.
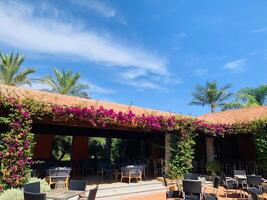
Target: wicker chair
(58,174)
(34,196)
(92,193)
(131,173)
(32,187)
(192,189)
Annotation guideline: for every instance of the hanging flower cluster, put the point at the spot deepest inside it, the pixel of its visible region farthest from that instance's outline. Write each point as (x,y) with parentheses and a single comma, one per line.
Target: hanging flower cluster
(108,118)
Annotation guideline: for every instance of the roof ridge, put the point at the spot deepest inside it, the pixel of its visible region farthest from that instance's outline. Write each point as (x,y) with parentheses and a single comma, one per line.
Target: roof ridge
(54,98)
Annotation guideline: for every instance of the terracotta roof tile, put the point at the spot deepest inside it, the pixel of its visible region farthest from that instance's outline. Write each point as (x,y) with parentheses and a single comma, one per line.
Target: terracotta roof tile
(59,99)
(236,116)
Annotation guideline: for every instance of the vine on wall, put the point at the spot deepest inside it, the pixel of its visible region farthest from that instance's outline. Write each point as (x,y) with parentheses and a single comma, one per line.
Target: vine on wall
(182,152)
(16,145)
(260,140)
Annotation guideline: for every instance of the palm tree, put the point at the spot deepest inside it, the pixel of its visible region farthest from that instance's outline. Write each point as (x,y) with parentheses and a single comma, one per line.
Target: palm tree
(210,95)
(248,97)
(10,73)
(66,83)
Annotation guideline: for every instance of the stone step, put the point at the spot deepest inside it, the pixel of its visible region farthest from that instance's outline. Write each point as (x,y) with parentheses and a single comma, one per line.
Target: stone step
(121,191)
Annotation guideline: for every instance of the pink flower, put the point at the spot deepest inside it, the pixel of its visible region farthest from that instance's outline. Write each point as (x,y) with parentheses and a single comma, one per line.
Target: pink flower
(25,115)
(20,153)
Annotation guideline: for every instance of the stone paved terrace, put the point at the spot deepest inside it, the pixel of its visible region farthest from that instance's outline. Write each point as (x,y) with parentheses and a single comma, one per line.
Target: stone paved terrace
(147,190)
(120,191)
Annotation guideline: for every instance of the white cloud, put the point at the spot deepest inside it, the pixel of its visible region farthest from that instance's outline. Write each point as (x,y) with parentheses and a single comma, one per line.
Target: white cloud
(142,80)
(236,65)
(24,30)
(133,74)
(260,30)
(144,85)
(93,88)
(96,89)
(201,71)
(37,86)
(98,6)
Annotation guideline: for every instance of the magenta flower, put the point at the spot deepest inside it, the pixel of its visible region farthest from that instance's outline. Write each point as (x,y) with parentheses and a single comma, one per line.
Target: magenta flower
(26,115)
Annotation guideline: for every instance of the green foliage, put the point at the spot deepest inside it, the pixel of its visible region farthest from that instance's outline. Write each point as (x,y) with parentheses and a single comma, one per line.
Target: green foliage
(10,65)
(260,140)
(96,147)
(248,97)
(210,95)
(13,193)
(66,83)
(182,154)
(43,183)
(17,193)
(213,167)
(116,146)
(61,147)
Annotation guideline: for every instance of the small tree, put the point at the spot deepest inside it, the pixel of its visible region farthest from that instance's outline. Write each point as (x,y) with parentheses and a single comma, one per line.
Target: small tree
(66,82)
(210,95)
(248,97)
(10,73)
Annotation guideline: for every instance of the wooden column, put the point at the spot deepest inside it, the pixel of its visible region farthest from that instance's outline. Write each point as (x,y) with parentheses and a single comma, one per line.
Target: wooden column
(210,148)
(43,147)
(167,151)
(79,148)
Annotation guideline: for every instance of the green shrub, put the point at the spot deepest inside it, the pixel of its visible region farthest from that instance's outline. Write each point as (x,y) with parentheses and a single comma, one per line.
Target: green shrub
(44,185)
(213,167)
(12,194)
(17,193)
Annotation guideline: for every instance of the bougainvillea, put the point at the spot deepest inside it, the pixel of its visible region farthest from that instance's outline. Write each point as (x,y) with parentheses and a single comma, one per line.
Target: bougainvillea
(108,118)
(17,143)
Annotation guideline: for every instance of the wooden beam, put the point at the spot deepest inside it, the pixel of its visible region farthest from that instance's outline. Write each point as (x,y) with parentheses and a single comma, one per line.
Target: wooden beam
(84,124)
(90,132)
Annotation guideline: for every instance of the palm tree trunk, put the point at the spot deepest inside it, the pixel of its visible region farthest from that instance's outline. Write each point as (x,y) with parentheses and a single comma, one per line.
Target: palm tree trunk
(212,108)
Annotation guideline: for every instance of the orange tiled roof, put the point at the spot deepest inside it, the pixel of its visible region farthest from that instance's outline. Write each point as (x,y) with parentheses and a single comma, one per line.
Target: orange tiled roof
(236,116)
(59,99)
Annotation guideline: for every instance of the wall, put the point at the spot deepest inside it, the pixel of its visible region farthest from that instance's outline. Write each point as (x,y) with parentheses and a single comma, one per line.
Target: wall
(43,147)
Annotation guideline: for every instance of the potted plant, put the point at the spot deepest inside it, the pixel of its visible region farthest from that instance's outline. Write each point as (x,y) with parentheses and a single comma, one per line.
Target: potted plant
(213,167)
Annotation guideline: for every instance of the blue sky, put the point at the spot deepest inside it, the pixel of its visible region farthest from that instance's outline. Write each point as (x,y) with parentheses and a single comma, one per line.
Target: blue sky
(149,53)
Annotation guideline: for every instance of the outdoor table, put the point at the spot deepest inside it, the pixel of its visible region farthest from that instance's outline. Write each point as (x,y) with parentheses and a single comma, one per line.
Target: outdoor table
(240,179)
(62,194)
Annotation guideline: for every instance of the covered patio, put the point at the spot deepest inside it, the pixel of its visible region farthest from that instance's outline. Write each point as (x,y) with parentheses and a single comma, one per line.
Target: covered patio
(143,146)
(162,142)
